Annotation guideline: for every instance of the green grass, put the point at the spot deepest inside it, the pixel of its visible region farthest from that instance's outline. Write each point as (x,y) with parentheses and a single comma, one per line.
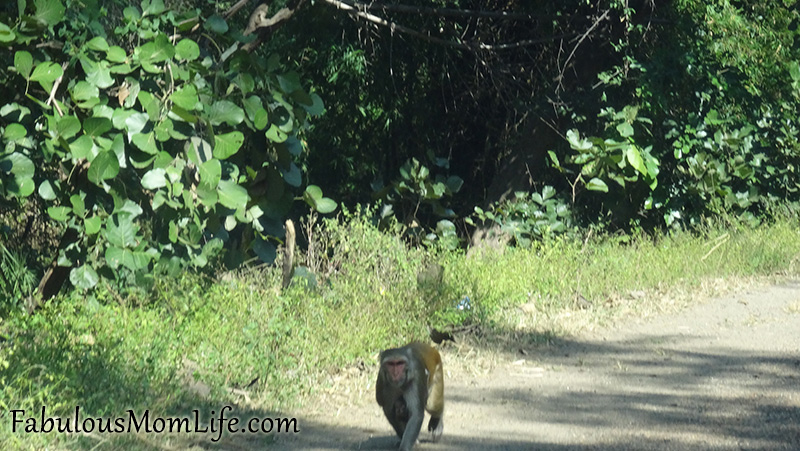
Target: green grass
(606,271)
(264,350)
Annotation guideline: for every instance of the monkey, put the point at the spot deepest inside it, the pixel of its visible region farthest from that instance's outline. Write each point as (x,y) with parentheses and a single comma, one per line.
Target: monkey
(410,381)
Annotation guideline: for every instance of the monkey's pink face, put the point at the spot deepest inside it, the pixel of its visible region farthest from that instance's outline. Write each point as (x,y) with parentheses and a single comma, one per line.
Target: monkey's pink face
(396,368)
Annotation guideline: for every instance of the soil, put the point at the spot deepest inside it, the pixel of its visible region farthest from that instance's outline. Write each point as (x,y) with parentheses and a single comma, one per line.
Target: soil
(723,374)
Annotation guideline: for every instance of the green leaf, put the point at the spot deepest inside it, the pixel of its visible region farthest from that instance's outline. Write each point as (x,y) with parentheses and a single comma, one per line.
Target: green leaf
(265,250)
(152,7)
(68,126)
(232,195)
(317,107)
(9,109)
(575,141)
(154,179)
(313,197)
(625,129)
(216,24)
(46,72)
(6,35)
(596,184)
(78,206)
(98,43)
(116,54)
(84,90)
(101,77)
(129,210)
(14,132)
(292,176)
(121,115)
(83,148)
(58,213)
(163,129)
(92,225)
(225,111)
(23,62)
(96,126)
(48,12)
(136,122)
(325,205)
(183,115)
(207,195)
(157,50)
(294,146)
(201,150)
(251,105)
(289,82)
(314,192)
(135,261)
(712,118)
(227,144)
(21,167)
(46,190)
(187,49)
(210,173)
(454,183)
(256,112)
(794,71)
(105,166)
(261,119)
(146,142)
(83,277)
(173,231)
(18,165)
(634,157)
(150,104)
(275,135)
(245,82)
(120,233)
(131,14)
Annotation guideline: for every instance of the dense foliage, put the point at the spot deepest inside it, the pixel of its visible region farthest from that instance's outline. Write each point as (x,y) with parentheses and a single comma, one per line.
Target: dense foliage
(147,138)
(642,114)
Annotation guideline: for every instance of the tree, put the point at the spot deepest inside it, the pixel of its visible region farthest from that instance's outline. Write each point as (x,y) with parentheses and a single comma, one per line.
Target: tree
(148,138)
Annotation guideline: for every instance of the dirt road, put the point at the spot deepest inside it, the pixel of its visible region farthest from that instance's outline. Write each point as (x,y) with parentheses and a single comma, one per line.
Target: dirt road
(722,375)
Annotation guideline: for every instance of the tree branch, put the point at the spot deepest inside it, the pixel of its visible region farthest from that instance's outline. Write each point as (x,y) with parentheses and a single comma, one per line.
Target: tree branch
(353,10)
(597,22)
(235,8)
(267,25)
(451,12)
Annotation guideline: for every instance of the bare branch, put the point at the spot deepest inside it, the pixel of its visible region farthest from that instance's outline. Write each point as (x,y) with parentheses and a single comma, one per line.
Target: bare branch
(583,37)
(52,98)
(235,8)
(267,25)
(525,42)
(449,12)
(350,9)
(353,10)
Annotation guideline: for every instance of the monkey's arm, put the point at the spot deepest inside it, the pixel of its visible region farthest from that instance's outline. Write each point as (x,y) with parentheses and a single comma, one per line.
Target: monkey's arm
(415,398)
(379,389)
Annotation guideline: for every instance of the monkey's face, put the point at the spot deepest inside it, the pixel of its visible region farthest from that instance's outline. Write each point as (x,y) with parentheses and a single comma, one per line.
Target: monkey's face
(396,369)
